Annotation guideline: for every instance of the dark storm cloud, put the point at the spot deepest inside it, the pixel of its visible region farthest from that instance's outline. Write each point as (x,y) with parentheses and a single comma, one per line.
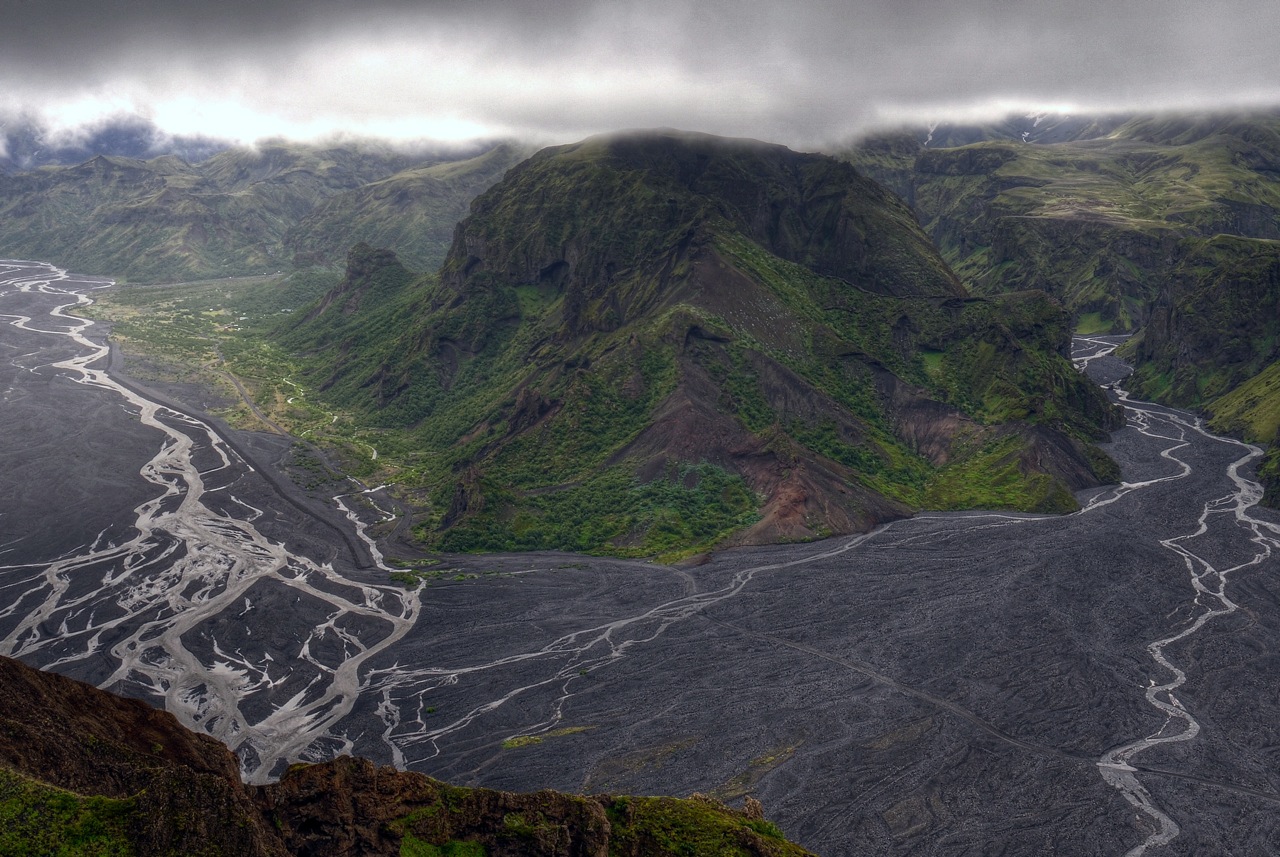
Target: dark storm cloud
(800,72)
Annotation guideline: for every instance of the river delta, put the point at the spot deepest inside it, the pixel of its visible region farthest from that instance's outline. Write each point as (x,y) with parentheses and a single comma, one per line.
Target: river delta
(978,683)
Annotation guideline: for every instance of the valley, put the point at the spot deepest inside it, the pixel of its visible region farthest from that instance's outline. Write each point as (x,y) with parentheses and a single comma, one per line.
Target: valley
(1097,682)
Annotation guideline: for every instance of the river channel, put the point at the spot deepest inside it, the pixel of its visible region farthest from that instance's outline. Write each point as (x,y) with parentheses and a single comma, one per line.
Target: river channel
(982,683)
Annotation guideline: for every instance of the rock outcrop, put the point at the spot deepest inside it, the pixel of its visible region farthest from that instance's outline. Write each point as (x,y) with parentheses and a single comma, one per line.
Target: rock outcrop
(82,771)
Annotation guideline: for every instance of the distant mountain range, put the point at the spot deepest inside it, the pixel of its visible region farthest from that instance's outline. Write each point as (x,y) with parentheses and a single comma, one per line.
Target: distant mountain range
(26,145)
(238,211)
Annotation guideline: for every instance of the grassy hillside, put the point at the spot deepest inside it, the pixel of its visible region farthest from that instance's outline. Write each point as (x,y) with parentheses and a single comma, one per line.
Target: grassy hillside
(1213,342)
(232,214)
(654,343)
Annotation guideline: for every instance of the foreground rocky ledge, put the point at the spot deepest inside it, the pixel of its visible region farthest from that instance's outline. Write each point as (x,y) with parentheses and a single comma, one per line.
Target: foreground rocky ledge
(85,772)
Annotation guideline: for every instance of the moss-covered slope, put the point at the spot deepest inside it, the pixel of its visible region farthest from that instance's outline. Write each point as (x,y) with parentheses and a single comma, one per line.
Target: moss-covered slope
(83,772)
(652,343)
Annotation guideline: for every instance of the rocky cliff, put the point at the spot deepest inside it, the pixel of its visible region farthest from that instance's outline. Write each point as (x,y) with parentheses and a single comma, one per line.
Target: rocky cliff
(1097,212)
(85,772)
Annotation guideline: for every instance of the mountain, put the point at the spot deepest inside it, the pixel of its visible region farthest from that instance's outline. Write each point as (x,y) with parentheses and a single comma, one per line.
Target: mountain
(653,342)
(1164,224)
(1098,216)
(26,145)
(86,773)
(234,212)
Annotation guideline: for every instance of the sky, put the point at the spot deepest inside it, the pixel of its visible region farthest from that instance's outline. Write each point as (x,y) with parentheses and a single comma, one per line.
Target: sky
(805,73)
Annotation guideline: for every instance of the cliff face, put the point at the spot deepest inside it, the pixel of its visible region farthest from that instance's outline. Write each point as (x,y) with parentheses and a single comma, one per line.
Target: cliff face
(86,772)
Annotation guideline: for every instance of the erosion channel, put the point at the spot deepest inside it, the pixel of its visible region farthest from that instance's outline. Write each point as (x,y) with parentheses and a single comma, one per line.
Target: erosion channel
(1099,683)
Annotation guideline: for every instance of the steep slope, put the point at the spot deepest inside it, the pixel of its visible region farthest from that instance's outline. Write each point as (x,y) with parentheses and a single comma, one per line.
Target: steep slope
(1099,216)
(647,343)
(166,219)
(85,772)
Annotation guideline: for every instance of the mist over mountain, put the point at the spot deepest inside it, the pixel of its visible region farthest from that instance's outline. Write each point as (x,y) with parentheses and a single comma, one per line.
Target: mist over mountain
(26,145)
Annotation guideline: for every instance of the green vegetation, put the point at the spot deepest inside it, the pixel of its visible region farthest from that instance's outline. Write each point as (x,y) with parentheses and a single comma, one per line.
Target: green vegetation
(994,477)
(1214,342)
(412,212)
(665,826)
(241,211)
(411,846)
(685,375)
(1096,220)
(37,820)
(532,740)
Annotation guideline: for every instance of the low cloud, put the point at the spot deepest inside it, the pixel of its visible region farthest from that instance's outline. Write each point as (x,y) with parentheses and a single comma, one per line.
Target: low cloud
(805,73)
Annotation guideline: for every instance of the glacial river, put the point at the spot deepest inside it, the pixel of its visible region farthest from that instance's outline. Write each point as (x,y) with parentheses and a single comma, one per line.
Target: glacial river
(949,684)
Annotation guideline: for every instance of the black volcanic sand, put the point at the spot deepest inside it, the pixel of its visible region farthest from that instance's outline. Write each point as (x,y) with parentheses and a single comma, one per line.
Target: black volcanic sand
(945,686)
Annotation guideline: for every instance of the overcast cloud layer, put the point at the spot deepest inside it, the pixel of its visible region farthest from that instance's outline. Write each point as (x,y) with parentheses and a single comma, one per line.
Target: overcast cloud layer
(803,73)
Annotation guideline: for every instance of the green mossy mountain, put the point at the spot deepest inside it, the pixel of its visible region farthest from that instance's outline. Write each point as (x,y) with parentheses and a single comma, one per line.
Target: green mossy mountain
(656,342)
(1100,216)
(241,211)
(83,772)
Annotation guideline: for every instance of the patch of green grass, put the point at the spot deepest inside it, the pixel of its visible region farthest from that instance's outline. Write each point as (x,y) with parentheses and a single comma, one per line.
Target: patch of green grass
(37,820)
(411,846)
(613,513)
(1090,323)
(530,740)
(991,477)
(666,827)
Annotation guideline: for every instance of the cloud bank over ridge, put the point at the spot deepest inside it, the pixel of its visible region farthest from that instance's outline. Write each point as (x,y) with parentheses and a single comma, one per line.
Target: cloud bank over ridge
(804,73)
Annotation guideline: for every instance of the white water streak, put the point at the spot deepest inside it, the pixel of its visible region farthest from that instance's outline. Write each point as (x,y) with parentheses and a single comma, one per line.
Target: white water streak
(186,565)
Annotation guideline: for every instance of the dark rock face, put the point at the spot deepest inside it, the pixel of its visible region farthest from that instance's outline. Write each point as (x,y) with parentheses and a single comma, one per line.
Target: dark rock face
(186,787)
(183,795)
